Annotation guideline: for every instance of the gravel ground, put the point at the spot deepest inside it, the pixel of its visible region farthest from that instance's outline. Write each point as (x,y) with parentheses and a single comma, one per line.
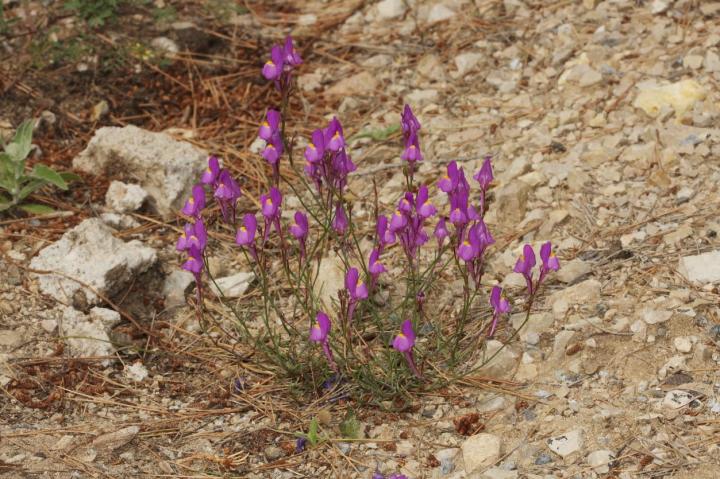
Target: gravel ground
(601,117)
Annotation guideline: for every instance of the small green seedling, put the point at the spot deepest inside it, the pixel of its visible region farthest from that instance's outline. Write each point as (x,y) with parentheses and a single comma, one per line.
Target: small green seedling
(17,182)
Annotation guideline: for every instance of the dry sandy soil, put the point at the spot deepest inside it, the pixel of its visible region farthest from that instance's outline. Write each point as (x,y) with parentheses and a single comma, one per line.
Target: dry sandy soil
(616,374)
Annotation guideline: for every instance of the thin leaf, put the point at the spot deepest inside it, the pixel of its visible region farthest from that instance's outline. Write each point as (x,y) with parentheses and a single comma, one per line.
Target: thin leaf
(68,176)
(19,147)
(42,172)
(4,206)
(30,188)
(36,209)
(7,169)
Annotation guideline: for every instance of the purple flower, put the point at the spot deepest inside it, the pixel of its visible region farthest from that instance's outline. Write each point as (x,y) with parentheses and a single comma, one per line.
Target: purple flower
(316,148)
(408,121)
(291,56)
(404,342)
(300,444)
(271,204)
(198,237)
(377,475)
(273,68)
(227,192)
(441,231)
(466,251)
(449,182)
(273,150)
(340,221)
(319,334)
(211,172)
(549,261)
(196,202)
(355,286)
(375,267)
(485,175)
(299,230)
(398,221)
(524,266)
(227,188)
(412,153)
(498,301)
(500,306)
(182,242)
(424,208)
(472,249)
(321,328)
(194,262)
(270,126)
(334,139)
(384,236)
(246,233)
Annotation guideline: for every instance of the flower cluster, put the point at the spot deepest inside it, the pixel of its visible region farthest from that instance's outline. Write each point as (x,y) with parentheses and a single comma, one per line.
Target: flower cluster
(327,162)
(526,263)
(271,133)
(407,223)
(283,59)
(193,239)
(226,189)
(461,232)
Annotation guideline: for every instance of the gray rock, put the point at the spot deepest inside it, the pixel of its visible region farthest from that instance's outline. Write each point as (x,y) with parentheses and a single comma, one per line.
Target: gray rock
(585,293)
(600,460)
(330,280)
(164,167)
(499,473)
(568,443)
(273,453)
(480,451)
(439,13)
(683,344)
(118,221)
(233,286)
(678,398)
(447,459)
(91,254)
(573,270)
(109,318)
(124,198)
(165,45)
(702,268)
(10,337)
(86,336)
(363,83)
(175,286)
(511,201)
(389,9)
(503,360)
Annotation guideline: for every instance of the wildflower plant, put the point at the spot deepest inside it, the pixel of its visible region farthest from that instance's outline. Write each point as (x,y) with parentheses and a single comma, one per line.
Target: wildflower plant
(18,183)
(379,338)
